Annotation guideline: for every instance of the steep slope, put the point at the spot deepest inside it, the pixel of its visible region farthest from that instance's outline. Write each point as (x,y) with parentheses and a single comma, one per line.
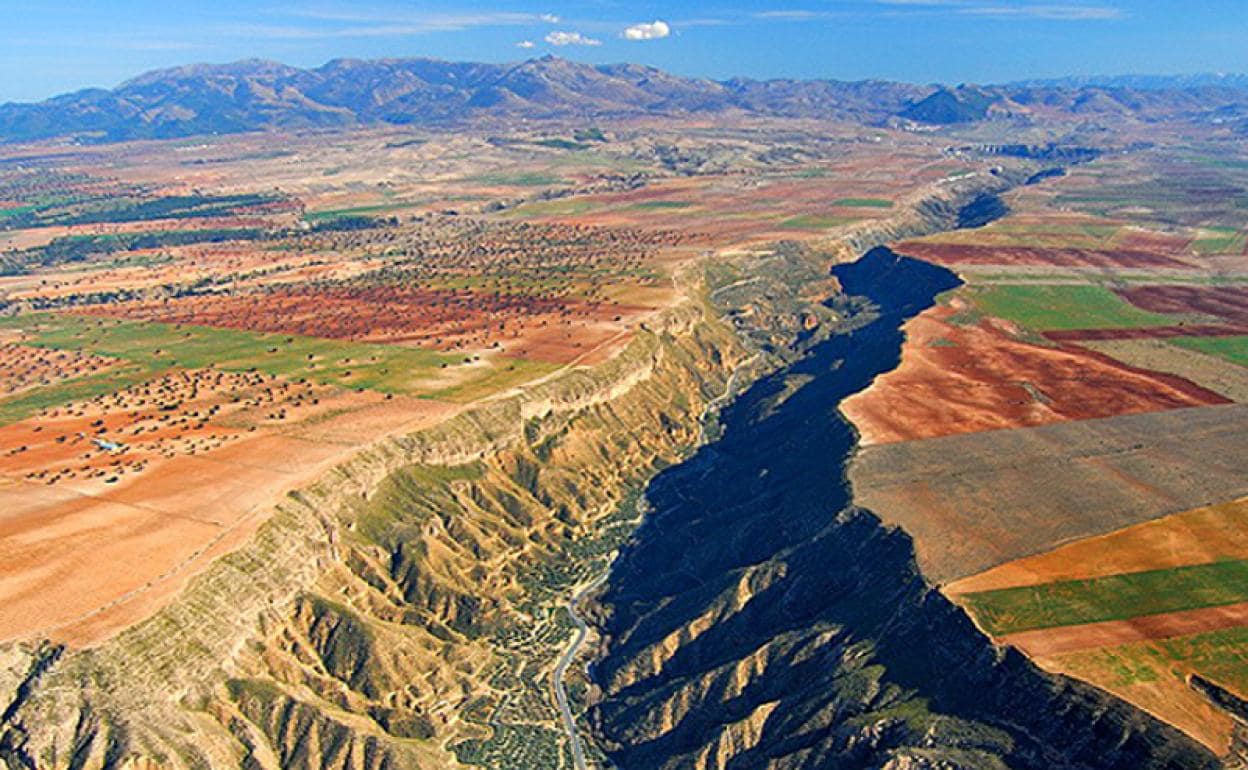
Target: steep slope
(760,620)
(400,611)
(406,610)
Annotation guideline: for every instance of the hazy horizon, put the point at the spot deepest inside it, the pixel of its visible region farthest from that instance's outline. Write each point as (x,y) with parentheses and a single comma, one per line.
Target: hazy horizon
(1097,76)
(68,46)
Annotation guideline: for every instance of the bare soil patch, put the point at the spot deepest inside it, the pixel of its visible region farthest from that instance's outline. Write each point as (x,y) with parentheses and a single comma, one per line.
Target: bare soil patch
(967,254)
(958,379)
(975,501)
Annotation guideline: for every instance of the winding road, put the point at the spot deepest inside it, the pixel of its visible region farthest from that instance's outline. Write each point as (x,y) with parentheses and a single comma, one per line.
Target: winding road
(561,669)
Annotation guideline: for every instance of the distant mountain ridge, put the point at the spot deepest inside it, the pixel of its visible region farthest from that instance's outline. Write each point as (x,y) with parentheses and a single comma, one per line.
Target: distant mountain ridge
(258,94)
(265,95)
(1142,82)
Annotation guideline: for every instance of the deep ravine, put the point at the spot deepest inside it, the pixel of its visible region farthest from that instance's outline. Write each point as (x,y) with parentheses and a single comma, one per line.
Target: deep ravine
(759,619)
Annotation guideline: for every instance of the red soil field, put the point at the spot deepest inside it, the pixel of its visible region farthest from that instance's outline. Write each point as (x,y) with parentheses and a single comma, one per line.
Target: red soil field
(96,538)
(1044,642)
(438,318)
(1228,302)
(959,254)
(955,379)
(1145,333)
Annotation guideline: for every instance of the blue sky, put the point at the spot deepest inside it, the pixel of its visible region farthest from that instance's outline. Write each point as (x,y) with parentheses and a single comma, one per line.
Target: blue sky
(52,47)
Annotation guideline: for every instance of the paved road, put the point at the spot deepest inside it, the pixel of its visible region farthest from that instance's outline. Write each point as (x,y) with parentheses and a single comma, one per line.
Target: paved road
(561,669)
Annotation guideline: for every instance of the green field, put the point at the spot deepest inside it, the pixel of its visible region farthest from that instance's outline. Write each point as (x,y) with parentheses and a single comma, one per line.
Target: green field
(386,368)
(863,203)
(151,348)
(1219,655)
(813,222)
(19,407)
(1219,240)
(16,212)
(519,179)
(555,208)
(1054,307)
(510,373)
(1117,597)
(1091,234)
(381,208)
(1233,349)
(562,144)
(659,205)
(148,349)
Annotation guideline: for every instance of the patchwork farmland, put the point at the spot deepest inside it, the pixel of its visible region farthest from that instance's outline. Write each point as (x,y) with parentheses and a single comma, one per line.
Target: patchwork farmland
(173,321)
(1064,435)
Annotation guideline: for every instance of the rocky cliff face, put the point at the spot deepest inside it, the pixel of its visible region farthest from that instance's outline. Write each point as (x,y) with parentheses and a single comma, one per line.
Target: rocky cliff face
(380,617)
(759,619)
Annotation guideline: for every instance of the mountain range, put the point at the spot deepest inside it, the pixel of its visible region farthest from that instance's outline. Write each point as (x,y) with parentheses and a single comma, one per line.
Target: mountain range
(264,95)
(1144,82)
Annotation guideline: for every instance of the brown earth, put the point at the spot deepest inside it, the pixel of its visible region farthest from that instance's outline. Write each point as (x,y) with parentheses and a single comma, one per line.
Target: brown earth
(969,254)
(1216,374)
(547,329)
(1228,302)
(1168,697)
(1198,536)
(246,266)
(1140,239)
(180,412)
(1145,333)
(959,379)
(1047,642)
(23,367)
(978,500)
(96,539)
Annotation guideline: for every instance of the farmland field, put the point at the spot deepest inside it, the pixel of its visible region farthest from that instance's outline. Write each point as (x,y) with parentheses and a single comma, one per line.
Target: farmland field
(1129,595)
(1045,308)
(174,327)
(1025,430)
(1233,349)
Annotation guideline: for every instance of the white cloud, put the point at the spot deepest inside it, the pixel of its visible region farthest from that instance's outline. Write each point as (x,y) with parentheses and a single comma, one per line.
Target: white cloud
(524,44)
(550,18)
(651,31)
(570,38)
